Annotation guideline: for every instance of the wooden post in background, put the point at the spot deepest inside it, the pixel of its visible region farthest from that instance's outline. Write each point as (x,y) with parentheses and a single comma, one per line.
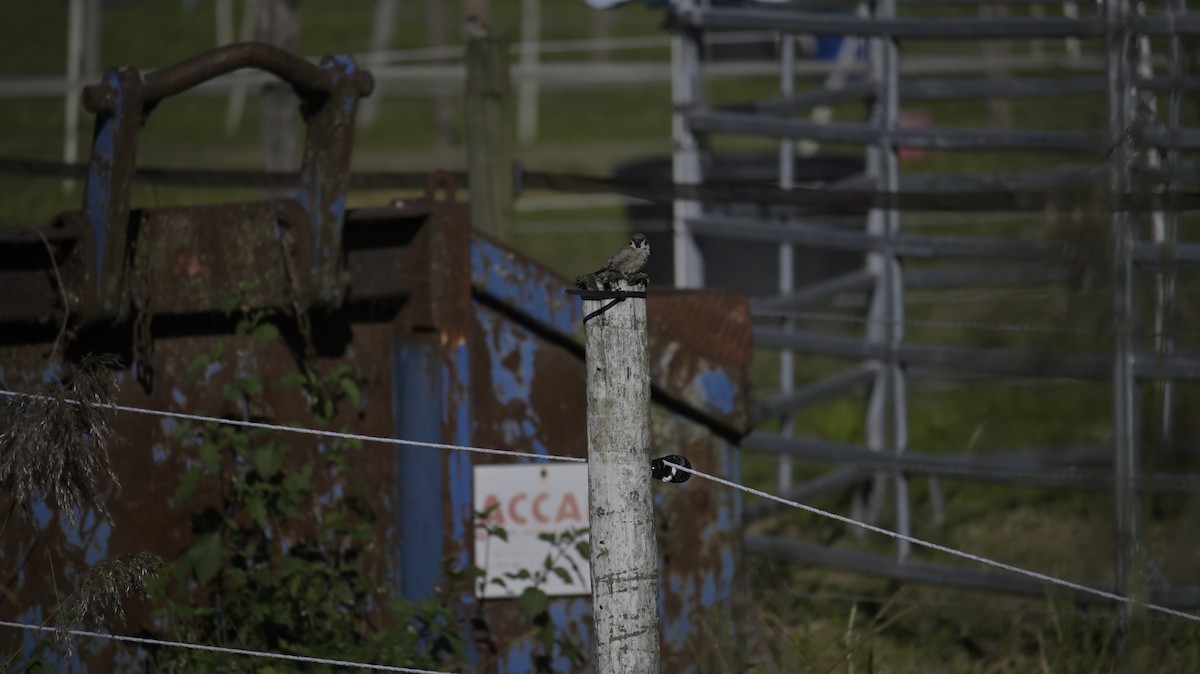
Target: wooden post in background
(624,551)
(488,115)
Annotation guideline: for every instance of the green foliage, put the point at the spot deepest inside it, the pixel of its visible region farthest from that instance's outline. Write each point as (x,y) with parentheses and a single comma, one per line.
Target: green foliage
(277,558)
(553,644)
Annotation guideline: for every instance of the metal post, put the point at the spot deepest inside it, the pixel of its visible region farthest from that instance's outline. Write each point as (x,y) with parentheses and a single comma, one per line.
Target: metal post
(787,281)
(1125,398)
(527,103)
(489,121)
(279,25)
(624,552)
(382,26)
(885,313)
(1168,297)
(686,92)
(75,19)
(237,93)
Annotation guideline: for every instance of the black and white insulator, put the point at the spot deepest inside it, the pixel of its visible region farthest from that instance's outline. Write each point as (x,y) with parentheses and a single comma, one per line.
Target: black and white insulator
(662,469)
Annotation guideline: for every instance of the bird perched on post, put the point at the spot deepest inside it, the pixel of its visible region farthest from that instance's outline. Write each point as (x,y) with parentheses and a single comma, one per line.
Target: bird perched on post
(628,263)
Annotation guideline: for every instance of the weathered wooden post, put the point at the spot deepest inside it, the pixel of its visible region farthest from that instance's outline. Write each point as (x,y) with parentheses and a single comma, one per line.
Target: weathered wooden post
(624,551)
(488,117)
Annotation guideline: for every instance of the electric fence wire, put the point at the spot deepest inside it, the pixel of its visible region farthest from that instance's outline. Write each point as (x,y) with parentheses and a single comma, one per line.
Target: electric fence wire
(1079,587)
(1046,578)
(147,641)
(302,430)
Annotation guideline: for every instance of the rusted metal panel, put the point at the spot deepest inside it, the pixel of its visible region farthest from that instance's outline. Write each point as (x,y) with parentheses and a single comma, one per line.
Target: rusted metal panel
(180,266)
(488,363)
(451,336)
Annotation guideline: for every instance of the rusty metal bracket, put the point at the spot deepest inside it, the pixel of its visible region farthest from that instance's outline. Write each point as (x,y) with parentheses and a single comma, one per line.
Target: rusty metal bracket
(443,179)
(329,94)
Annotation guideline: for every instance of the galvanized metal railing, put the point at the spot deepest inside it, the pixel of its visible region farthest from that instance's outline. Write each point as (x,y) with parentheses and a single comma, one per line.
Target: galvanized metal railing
(1144,151)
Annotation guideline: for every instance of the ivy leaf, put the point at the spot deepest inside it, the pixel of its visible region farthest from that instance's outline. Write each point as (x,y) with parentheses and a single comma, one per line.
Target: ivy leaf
(206,557)
(187,485)
(268,460)
(534,602)
(198,362)
(263,333)
(210,456)
(257,508)
(252,385)
(562,574)
(293,380)
(351,390)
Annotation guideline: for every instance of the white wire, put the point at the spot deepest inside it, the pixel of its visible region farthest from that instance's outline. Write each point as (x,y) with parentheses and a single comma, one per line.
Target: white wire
(223,649)
(307,431)
(941,548)
(749,490)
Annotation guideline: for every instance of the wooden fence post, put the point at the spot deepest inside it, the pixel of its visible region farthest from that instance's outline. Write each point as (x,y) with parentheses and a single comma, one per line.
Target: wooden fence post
(624,551)
(489,121)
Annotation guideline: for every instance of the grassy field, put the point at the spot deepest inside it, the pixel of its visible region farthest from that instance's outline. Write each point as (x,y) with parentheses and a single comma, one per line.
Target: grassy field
(796,619)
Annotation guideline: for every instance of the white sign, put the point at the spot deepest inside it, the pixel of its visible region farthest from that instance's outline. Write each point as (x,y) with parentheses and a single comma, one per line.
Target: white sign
(531,502)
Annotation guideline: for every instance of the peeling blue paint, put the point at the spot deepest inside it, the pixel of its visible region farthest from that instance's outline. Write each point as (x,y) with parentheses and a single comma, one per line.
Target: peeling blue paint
(99,188)
(211,370)
(504,340)
(42,513)
(456,402)
(566,612)
(676,626)
(178,396)
(708,590)
(416,416)
(519,658)
(93,529)
(158,452)
(719,391)
(337,210)
(523,285)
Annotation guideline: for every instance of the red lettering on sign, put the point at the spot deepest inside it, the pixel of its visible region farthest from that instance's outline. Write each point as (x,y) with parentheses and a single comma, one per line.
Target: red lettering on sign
(514,512)
(568,509)
(512,508)
(491,506)
(537,508)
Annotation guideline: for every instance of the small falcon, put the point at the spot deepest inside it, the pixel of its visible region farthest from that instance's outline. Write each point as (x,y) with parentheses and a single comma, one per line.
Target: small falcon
(630,258)
(629,263)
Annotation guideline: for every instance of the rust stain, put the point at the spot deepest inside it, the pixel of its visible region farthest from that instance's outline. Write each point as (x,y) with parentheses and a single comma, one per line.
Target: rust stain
(192,264)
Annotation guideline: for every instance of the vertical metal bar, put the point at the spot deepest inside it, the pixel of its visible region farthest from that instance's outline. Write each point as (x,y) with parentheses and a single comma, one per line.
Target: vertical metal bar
(886,406)
(1125,435)
(787,281)
(686,92)
(867,506)
(894,308)
(75,19)
(1165,320)
(528,86)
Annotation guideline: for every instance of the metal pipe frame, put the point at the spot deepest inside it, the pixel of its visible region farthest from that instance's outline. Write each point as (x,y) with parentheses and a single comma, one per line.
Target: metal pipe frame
(957,28)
